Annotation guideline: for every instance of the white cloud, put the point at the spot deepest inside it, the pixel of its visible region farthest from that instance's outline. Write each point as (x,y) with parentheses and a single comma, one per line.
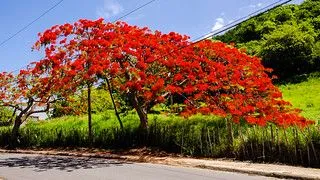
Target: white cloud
(218,24)
(110,8)
(259,4)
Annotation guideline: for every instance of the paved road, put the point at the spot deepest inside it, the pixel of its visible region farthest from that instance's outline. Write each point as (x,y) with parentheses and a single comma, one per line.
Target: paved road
(39,167)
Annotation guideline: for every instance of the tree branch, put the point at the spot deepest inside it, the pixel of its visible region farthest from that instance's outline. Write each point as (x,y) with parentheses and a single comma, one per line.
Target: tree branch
(16,107)
(39,111)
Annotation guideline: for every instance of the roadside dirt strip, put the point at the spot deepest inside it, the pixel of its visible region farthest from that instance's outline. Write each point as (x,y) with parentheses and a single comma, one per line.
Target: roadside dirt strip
(271,170)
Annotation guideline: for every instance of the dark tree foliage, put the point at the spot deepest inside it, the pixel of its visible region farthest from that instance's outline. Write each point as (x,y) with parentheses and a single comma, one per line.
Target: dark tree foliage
(286,38)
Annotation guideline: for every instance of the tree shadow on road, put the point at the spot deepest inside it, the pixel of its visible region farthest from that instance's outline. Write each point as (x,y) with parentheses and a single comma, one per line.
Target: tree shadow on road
(69,164)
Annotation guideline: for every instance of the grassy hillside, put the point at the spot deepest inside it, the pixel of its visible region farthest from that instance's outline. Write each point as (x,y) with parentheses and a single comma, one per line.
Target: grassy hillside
(304,95)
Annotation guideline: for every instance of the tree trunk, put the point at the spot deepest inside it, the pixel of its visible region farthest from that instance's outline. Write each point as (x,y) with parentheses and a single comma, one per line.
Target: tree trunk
(142,112)
(229,133)
(15,132)
(89,116)
(143,117)
(114,105)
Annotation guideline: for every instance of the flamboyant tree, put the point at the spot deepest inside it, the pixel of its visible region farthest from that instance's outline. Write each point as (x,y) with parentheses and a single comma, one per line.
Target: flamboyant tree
(26,95)
(132,59)
(148,67)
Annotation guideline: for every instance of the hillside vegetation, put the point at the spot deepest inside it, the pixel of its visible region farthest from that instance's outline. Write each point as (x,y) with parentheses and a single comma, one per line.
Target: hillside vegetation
(286,38)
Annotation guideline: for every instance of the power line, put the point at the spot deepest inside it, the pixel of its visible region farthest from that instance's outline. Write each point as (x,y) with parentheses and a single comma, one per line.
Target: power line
(134,10)
(125,15)
(29,24)
(241,20)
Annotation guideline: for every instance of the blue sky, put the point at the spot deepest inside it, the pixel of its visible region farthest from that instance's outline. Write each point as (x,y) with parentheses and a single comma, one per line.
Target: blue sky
(193,17)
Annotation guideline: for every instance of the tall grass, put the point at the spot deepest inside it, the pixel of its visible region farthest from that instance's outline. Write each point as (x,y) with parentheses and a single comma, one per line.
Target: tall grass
(203,136)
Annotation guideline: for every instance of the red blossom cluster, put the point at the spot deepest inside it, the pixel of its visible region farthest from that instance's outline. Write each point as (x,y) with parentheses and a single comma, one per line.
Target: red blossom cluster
(222,80)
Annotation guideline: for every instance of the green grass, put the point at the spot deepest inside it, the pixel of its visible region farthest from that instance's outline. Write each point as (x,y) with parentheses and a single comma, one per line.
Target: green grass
(304,95)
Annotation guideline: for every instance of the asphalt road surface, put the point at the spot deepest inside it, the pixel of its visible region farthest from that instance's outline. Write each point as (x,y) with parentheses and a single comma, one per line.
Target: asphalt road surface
(39,167)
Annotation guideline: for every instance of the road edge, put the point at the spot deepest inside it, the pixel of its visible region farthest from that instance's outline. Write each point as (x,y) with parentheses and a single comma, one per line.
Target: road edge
(183,162)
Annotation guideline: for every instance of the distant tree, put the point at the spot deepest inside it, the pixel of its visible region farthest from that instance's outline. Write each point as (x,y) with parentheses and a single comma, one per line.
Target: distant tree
(267,27)
(283,15)
(309,9)
(250,33)
(288,51)
(25,94)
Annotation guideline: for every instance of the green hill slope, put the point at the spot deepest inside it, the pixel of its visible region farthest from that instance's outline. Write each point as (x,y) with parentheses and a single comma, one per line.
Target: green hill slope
(304,95)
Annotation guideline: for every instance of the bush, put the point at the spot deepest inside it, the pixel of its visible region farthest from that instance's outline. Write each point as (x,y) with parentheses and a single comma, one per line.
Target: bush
(5,116)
